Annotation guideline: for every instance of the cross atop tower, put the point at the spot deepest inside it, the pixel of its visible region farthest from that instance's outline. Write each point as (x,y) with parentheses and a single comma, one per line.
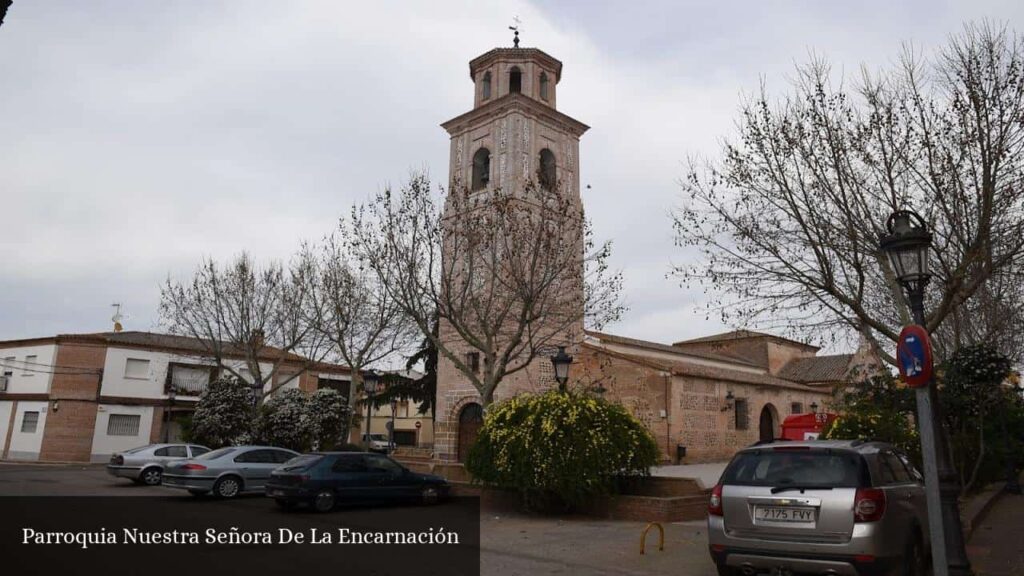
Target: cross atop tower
(515,28)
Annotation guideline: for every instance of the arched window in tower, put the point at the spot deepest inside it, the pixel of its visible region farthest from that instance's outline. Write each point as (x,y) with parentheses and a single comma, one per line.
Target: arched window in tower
(486,88)
(546,173)
(515,80)
(543,86)
(481,168)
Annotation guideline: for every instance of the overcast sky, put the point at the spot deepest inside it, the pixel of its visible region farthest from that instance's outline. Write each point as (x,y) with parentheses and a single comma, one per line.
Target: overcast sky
(137,137)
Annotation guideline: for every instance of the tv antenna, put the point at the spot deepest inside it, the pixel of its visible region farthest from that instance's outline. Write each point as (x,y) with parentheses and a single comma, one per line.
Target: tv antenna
(515,28)
(117,317)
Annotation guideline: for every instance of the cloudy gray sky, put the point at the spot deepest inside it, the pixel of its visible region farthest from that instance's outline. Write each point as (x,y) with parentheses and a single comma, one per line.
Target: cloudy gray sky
(137,137)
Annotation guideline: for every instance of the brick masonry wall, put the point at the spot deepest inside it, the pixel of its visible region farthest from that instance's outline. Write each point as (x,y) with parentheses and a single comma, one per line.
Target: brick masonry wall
(69,428)
(693,414)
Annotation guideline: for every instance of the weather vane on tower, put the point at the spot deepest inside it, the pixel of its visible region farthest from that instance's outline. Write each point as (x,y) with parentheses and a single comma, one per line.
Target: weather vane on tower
(515,39)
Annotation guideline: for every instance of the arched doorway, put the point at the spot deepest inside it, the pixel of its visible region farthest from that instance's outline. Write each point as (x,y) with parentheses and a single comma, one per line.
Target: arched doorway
(767,423)
(471,417)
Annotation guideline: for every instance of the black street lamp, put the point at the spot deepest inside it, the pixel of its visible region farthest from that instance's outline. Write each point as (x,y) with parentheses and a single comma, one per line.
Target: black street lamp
(908,244)
(561,362)
(814,407)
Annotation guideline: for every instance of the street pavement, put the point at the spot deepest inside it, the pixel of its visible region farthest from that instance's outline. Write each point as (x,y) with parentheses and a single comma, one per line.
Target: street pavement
(516,544)
(997,546)
(707,474)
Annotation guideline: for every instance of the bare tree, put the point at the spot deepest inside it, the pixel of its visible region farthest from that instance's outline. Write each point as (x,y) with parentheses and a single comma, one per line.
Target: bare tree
(508,275)
(242,312)
(354,312)
(788,221)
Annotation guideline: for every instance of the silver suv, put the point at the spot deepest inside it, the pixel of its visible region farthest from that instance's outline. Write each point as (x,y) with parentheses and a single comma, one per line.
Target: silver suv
(844,507)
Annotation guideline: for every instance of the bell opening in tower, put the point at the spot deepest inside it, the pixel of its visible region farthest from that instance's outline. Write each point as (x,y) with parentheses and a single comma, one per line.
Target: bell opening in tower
(515,80)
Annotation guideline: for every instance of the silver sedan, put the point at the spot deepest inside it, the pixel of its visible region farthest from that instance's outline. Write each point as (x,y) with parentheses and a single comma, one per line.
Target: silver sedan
(145,464)
(227,472)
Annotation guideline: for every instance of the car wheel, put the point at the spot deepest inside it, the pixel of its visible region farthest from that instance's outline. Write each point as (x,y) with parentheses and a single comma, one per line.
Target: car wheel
(151,476)
(324,501)
(727,570)
(430,495)
(227,487)
(914,561)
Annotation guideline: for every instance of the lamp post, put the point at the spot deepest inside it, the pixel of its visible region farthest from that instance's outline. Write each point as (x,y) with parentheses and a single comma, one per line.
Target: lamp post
(370,384)
(907,244)
(814,407)
(561,363)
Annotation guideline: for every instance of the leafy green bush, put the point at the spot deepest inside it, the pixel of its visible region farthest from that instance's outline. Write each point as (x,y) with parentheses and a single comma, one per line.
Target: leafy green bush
(302,422)
(560,449)
(224,415)
(982,414)
(877,409)
(283,420)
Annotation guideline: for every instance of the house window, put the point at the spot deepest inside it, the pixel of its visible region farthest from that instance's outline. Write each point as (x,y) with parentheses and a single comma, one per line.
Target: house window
(547,168)
(515,80)
(190,379)
(543,86)
(136,368)
(796,408)
(123,425)
(486,86)
(473,361)
(8,373)
(30,365)
(29,422)
(341,386)
(481,168)
(742,414)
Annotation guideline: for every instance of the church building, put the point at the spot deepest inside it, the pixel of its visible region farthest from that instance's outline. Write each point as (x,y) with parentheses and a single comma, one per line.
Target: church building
(702,399)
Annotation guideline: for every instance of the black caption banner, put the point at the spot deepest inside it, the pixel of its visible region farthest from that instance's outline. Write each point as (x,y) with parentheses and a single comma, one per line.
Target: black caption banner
(182,536)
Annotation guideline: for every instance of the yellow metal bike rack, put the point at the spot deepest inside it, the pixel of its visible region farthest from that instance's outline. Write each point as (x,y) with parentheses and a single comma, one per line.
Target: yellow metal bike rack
(661,536)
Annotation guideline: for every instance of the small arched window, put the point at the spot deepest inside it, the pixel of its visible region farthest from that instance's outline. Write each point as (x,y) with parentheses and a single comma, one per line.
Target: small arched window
(515,80)
(481,168)
(543,86)
(547,168)
(486,88)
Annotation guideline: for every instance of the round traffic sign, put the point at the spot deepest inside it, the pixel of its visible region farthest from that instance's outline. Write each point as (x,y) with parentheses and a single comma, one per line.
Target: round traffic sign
(419,424)
(914,356)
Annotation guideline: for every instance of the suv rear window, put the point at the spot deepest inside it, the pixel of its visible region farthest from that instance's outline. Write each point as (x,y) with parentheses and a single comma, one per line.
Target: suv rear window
(798,467)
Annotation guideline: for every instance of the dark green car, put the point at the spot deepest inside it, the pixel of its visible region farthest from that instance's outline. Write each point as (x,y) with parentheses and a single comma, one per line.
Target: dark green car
(325,479)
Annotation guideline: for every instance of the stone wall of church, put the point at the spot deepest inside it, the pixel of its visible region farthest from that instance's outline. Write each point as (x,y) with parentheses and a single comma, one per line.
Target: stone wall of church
(688,411)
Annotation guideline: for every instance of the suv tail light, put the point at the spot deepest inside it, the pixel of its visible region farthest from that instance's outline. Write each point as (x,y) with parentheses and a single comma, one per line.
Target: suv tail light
(715,502)
(193,467)
(868,505)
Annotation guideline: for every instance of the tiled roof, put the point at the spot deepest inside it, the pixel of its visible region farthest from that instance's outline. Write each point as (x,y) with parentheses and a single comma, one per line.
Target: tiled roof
(166,342)
(739,335)
(817,368)
(671,349)
(706,372)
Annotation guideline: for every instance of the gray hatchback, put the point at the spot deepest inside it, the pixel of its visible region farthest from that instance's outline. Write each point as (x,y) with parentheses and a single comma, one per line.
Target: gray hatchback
(145,464)
(839,507)
(227,472)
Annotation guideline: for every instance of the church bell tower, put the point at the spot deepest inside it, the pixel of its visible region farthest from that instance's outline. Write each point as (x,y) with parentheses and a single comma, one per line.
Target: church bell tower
(513,135)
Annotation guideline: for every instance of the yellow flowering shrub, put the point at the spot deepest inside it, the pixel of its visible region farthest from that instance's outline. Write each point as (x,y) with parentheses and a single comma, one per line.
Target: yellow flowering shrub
(560,449)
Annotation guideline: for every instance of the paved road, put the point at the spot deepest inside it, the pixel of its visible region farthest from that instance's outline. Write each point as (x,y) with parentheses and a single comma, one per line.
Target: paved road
(510,545)
(997,546)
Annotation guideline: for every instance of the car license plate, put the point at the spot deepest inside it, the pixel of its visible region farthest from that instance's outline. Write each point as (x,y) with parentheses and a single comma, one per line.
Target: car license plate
(782,514)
